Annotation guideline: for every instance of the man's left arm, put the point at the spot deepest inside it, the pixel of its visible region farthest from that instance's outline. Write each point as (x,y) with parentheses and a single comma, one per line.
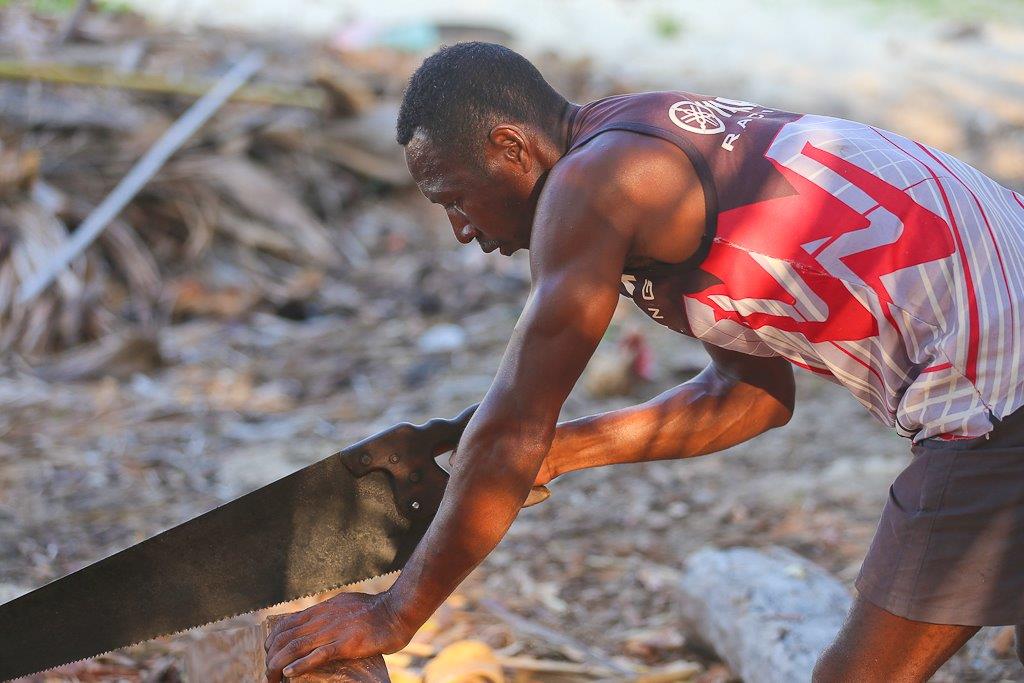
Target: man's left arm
(578,250)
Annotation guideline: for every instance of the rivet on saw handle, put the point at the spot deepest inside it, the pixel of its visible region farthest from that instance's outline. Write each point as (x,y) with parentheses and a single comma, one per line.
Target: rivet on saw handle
(406,453)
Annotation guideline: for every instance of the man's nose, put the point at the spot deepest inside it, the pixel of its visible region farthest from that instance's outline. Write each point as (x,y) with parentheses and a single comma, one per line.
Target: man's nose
(464,230)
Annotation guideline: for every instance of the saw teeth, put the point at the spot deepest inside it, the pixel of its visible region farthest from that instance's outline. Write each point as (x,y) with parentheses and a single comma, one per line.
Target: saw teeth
(215,621)
(330,525)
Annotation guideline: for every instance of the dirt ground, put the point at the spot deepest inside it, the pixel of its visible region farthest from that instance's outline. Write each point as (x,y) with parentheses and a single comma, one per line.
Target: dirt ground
(92,467)
(89,467)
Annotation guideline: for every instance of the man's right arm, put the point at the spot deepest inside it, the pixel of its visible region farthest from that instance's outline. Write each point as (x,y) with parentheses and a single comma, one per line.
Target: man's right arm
(735,398)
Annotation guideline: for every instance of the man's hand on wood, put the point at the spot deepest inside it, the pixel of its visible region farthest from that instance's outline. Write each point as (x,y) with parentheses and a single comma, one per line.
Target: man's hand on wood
(347,626)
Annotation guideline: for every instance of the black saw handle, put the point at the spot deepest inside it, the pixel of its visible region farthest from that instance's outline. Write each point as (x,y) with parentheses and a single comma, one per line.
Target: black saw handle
(407,453)
(447,434)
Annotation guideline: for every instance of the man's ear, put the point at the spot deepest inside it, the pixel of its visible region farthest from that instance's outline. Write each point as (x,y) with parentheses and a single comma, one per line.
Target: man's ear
(509,142)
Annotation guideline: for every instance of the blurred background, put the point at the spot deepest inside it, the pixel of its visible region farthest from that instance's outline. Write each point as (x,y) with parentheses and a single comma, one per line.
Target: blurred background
(279,289)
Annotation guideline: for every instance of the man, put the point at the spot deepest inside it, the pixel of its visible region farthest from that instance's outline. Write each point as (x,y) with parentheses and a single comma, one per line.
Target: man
(775,238)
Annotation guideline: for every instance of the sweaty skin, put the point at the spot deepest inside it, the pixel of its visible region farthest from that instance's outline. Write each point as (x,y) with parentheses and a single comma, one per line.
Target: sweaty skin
(621,200)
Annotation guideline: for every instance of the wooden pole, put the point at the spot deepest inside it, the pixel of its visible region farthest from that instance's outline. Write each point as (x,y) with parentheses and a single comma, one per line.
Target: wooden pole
(71,74)
(141,173)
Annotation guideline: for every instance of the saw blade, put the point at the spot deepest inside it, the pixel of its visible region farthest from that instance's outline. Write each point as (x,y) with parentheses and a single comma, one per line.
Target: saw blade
(338,521)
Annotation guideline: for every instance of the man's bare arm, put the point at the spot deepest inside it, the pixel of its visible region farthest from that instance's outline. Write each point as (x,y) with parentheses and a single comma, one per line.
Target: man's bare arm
(584,227)
(732,400)
(577,256)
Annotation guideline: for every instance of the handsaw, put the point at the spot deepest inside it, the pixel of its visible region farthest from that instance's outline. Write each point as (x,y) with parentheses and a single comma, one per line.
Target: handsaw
(352,516)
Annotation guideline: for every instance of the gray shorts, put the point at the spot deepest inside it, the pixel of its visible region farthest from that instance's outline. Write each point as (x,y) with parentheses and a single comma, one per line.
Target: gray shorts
(949,548)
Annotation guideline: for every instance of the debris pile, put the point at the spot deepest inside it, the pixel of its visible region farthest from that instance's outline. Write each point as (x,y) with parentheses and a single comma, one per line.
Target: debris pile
(315,300)
(250,211)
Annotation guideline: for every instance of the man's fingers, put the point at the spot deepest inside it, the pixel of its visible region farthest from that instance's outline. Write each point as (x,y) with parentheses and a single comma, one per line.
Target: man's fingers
(312,661)
(284,638)
(292,651)
(291,621)
(299,622)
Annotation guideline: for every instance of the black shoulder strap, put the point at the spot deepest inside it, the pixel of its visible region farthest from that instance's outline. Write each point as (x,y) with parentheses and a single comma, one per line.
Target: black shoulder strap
(700,164)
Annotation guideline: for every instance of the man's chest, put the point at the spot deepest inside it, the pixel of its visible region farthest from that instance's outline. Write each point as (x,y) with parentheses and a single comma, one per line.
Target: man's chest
(679,300)
(659,291)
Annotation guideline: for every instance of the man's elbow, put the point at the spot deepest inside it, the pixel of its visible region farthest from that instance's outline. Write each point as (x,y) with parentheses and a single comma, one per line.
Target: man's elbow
(514,448)
(773,404)
(779,396)
(779,414)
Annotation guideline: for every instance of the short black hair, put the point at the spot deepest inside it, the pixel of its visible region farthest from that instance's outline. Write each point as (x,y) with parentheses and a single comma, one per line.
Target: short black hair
(462,90)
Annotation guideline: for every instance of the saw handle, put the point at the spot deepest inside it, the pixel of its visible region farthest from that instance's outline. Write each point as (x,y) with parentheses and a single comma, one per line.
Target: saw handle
(449,431)
(446,433)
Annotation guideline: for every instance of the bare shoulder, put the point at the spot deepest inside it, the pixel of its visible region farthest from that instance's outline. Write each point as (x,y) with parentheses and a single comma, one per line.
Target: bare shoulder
(646,170)
(638,183)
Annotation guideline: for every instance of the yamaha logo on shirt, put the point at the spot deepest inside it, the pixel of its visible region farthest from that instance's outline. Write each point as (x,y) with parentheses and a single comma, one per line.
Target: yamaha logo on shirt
(707,117)
(695,117)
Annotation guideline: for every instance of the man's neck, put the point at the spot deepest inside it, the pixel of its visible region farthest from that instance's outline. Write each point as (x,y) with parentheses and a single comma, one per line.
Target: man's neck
(565,126)
(554,142)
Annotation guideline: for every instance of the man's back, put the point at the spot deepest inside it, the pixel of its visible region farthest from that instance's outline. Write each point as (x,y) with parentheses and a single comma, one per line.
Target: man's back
(853,252)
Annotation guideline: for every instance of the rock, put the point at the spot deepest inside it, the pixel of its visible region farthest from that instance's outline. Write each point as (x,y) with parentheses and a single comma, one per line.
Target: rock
(442,338)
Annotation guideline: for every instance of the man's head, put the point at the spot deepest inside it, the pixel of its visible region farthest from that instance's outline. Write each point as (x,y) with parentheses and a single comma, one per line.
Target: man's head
(481,128)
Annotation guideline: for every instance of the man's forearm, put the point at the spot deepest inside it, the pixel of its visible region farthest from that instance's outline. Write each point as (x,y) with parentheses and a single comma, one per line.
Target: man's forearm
(488,485)
(709,413)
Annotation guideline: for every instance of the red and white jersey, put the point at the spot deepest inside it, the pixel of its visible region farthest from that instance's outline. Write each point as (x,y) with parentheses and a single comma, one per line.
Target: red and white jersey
(875,261)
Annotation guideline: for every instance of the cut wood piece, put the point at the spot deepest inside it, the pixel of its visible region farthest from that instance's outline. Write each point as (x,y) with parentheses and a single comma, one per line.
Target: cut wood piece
(237,654)
(768,613)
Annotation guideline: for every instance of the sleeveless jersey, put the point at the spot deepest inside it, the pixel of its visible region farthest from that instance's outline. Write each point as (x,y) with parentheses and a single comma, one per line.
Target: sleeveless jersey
(855,253)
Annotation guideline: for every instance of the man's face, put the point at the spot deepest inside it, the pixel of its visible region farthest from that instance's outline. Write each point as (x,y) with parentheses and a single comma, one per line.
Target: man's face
(488,201)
